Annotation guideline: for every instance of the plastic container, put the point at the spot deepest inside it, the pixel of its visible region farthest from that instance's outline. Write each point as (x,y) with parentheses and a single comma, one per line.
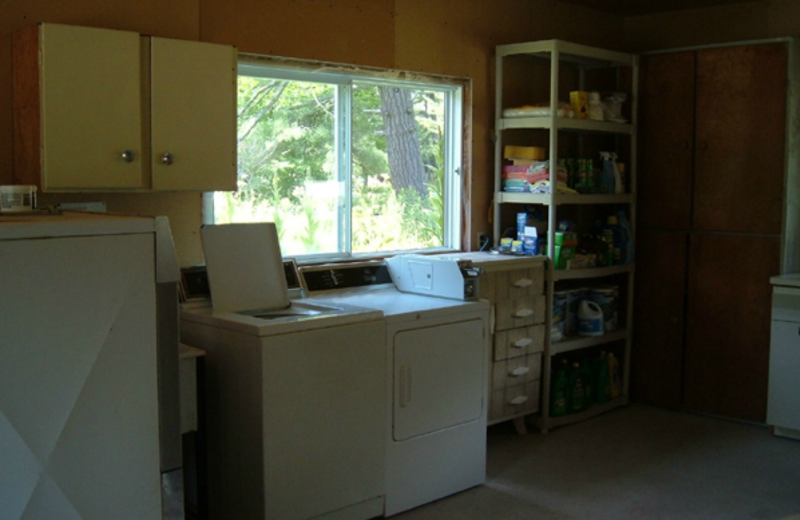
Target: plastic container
(17,199)
(626,234)
(590,319)
(576,391)
(558,393)
(574,299)
(559,313)
(612,224)
(605,182)
(614,376)
(602,390)
(607,297)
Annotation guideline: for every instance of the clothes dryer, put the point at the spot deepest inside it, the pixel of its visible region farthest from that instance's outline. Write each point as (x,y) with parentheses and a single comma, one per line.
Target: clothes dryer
(436,366)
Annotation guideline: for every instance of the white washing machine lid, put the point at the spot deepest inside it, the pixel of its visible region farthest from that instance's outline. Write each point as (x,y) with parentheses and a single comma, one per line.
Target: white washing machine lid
(302,314)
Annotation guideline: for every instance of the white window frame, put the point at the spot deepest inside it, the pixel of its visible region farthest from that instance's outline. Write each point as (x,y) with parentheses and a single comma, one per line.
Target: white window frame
(456,113)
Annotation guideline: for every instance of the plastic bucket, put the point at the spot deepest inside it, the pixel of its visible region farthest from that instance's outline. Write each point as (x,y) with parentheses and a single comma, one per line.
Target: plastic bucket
(17,199)
(606,297)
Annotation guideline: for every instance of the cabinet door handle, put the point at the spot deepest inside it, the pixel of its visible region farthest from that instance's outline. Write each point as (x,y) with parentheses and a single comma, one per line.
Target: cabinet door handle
(518,400)
(167,159)
(523,313)
(519,371)
(522,282)
(405,385)
(522,343)
(128,156)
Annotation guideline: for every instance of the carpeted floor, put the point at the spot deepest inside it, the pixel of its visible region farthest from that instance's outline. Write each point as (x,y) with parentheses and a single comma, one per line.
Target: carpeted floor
(636,462)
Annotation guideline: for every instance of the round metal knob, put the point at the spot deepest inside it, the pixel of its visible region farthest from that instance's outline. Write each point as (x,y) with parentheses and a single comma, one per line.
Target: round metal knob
(128,156)
(167,159)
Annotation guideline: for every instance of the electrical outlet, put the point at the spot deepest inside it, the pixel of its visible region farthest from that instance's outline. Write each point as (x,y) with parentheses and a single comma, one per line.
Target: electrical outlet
(483,240)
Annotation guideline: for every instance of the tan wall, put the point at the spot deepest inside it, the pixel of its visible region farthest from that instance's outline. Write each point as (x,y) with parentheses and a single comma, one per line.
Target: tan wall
(454,37)
(741,22)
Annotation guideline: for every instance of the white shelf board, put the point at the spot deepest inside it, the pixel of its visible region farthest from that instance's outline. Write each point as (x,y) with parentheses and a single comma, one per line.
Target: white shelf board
(595,272)
(573,343)
(560,198)
(572,53)
(564,123)
(595,410)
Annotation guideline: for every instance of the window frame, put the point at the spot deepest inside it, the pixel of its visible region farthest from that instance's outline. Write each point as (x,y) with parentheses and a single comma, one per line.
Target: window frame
(457,184)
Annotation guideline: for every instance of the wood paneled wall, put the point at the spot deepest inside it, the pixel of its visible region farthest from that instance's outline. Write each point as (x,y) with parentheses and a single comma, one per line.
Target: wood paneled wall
(454,37)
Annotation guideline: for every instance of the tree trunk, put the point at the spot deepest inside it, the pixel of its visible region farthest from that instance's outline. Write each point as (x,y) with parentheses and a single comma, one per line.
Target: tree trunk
(402,140)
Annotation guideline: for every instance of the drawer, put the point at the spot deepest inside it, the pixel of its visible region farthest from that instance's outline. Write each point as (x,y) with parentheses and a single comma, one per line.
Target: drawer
(515,371)
(514,400)
(519,312)
(519,283)
(518,342)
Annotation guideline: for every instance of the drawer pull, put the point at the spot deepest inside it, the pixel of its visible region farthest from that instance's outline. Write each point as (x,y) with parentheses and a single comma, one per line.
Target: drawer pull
(522,282)
(522,343)
(523,313)
(519,371)
(520,399)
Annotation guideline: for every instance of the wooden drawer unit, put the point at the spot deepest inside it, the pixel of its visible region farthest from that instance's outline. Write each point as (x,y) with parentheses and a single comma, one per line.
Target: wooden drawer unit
(514,401)
(516,288)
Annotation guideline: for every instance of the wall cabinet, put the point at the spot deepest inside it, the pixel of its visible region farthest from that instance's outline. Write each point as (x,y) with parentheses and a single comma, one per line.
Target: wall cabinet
(717,217)
(106,110)
(546,72)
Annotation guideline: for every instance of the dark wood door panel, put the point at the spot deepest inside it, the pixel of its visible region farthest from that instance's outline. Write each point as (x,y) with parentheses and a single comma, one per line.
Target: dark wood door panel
(741,119)
(657,352)
(665,140)
(728,324)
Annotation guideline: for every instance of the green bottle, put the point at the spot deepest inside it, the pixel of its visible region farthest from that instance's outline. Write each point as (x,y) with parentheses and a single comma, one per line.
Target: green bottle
(588,368)
(558,393)
(576,390)
(602,392)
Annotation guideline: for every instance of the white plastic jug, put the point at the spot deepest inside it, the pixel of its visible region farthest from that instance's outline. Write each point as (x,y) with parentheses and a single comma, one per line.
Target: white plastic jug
(590,319)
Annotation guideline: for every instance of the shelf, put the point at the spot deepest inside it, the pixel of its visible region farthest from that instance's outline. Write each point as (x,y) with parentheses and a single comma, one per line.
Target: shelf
(561,198)
(573,343)
(564,123)
(595,272)
(595,410)
(571,53)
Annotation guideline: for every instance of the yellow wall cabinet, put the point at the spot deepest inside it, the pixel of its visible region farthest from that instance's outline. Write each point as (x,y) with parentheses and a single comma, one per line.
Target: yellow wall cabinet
(107,110)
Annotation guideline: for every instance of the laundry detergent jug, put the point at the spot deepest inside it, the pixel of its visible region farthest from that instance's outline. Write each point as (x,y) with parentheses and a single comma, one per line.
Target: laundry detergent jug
(590,319)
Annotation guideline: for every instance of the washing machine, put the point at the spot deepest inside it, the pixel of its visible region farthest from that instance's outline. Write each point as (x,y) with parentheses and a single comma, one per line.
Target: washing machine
(437,354)
(295,392)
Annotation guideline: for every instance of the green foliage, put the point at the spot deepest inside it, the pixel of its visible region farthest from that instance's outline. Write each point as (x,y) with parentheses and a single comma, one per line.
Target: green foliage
(288,172)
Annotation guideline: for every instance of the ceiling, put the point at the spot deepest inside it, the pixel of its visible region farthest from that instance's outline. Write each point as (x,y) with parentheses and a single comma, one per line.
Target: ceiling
(641,7)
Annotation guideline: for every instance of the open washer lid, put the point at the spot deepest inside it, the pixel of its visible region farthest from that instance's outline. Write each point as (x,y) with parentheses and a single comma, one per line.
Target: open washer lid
(245,268)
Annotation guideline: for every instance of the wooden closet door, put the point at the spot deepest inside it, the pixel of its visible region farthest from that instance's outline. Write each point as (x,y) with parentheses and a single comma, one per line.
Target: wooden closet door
(658,317)
(666,135)
(741,121)
(728,324)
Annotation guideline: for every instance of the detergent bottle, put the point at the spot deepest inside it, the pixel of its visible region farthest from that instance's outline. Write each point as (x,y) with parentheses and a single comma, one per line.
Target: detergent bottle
(615,379)
(558,393)
(602,378)
(606,182)
(627,235)
(576,390)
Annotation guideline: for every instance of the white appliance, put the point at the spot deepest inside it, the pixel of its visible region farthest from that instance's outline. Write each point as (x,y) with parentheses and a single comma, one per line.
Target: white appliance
(436,385)
(783,402)
(295,394)
(435,276)
(79,405)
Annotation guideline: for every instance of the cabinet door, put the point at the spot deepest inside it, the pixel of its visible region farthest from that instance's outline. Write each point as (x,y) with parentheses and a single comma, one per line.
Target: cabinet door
(741,121)
(91,111)
(665,143)
(657,357)
(193,115)
(728,324)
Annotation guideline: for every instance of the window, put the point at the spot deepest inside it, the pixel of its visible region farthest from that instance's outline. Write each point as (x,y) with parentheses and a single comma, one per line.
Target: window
(346,162)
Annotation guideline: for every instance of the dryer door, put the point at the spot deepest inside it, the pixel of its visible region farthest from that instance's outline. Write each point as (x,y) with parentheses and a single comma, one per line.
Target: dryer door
(439,374)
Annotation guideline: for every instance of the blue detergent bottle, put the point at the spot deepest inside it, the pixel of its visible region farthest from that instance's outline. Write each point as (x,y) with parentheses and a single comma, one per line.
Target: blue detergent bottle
(606,183)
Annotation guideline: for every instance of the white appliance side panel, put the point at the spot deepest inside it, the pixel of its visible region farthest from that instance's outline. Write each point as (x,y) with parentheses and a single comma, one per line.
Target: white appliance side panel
(783,405)
(324,398)
(438,377)
(78,371)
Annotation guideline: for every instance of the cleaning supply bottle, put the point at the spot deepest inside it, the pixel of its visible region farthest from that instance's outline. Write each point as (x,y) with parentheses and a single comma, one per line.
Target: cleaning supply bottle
(588,381)
(606,182)
(576,391)
(627,235)
(558,393)
(601,381)
(590,319)
(612,223)
(614,377)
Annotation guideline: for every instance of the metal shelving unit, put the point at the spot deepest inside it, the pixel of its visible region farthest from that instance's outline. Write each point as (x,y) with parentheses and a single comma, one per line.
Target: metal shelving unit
(561,54)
